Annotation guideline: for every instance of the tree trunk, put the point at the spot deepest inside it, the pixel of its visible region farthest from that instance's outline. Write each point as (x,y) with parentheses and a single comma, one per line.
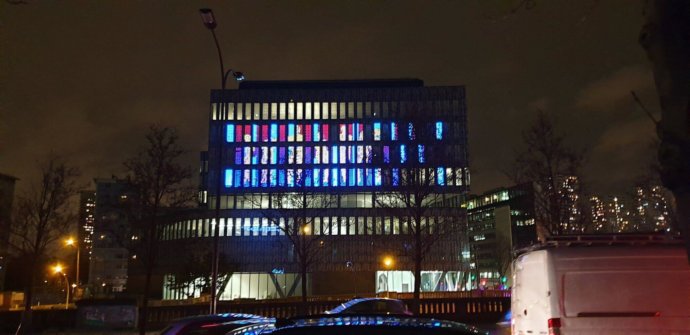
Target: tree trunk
(417,273)
(303,274)
(144,312)
(25,326)
(666,39)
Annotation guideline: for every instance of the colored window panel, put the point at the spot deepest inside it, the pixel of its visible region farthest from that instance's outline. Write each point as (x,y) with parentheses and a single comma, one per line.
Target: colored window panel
(360,177)
(403,153)
(360,154)
(272,177)
(342,180)
(324,131)
(238,155)
(439,130)
(317,155)
(334,177)
(343,154)
(317,177)
(351,178)
(264,177)
(386,154)
(255,178)
(370,176)
(377,177)
(247,155)
(307,177)
(281,155)
(377,131)
(291,132)
(238,133)
(291,155)
(342,132)
(394,131)
(299,155)
(255,133)
(317,132)
(247,178)
(290,178)
(230,133)
(410,131)
(360,132)
(325,178)
(274,132)
(255,155)
(307,155)
(228,177)
(307,133)
(350,132)
(300,133)
(264,155)
(282,133)
(420,153)
(395,174)
(441,176)
(368,153)
(264,133)
(325,155)
(274,155)
(281,177)
(238,178)
(334,154)
(247,133)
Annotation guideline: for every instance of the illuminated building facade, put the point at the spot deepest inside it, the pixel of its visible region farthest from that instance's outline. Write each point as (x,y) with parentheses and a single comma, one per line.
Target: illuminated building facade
(343,143)
(87,217)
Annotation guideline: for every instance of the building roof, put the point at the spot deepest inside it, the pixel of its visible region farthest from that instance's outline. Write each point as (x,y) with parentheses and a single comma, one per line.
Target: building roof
(330,84)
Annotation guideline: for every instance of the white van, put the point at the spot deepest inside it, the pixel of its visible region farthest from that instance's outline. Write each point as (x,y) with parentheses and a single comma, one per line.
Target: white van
(601,288)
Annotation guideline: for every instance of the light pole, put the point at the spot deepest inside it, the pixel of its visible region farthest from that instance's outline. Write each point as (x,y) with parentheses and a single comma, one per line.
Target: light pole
(70,242)
(58,269)
(210,23)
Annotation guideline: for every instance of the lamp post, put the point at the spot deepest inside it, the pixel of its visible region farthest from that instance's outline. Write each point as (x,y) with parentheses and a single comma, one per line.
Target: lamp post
(58,269)
(210,23)
(70,242)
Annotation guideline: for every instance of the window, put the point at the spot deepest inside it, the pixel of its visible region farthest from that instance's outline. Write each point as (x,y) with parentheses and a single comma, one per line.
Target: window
(247,133)
(264,155)
(255,178)
(403,153)
(238,155)
(291,132)
(307,155)
(395,177)
(317,155)
(255,133)
(377,177)
(238,178)
(238,133)
(325,177)
(274,132)
(300,155)
(264,133)
(230,133)
(317,177)
(325,155)
(334,153)
(334,176)
(281,156)
(316,132)
(377,131)
(360,154)
(386,154)
(255,155)
(281,111)
(282,133)
(247,155)
(291,155)
(228,177)
(394,131)
(325,132)
(300,134)
(441,176)
(420,153)
(439,130)
(410,131)
(307,133)
(272,177)
(342,133)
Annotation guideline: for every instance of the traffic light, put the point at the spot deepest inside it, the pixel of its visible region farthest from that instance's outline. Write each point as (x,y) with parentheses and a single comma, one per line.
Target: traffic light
(504,279)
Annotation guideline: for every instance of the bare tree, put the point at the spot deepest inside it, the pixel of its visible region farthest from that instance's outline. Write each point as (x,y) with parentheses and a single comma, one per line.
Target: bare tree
(190,273)
(42,216)
(503,255)
(162,185)
(554,170)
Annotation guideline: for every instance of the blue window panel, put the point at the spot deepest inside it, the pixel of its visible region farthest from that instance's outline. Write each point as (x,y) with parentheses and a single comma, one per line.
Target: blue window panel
(420,153)
(377,177)
(326,177)
(395,177)
(238,178)
(247,157)
(369,177)
(360,177)
(403,153)
(343,154)
(342,181)
(281,177)
(281,156)
(228,177)
(273,180)
(441,176)
(307,155)
(290,178)
(360,154)
(377,131)
(386,154)
(352,154)
(334,177)
(316,132)
(238,156)
(264,177)
(255,178)
(307,177)
(291,132)
(299,178)
(410,131)
(274,132)
(351,179)
(394,131)
(255,133)
(230,133)
(334,154)
(255,155)
(439,130)
(274,155)
(368,154)
(359,128)
(247,178)
(317,177)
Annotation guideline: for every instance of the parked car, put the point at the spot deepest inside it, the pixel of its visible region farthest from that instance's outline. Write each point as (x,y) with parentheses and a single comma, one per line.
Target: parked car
(217,324)
(360,325)
(372,306)
(595,288)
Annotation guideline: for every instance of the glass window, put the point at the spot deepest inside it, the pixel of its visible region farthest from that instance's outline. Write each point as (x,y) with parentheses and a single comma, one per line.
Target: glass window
(334,110)
(420,153)
(395,173)
(307,111)
(282,133)
(300,111)
(247,155)
(377,177)
(350,132)
(351,178)
(360,177)
(439,130)
(360,154)
(281,111)
(281,177)
(317,177)
(368,153)
(317,132)
(291,155)
(300,133)
(307,155)
(238,133)
(247,133)
(307,132)
(325,177)
(317,155)
(299,155)
(291,111)
(274,111)
(272,177)
(291,132)
(441,176)
(325,132)
(334,154)
(410,131)
(255,178)
(238,178)
(394,131)
(247,111)
(274,132)
(449,177)
(325,155)
(228,177)
(369,177)
(264,177)
(290,178)
(238,155)
(403,153)
(360,131)
(324,111)
(281,156)
(377,131)
(334,177)
(342,180)
(299,177)
(265,111)
(342,135)
(230,133)
(343,154)
(255,133)
(257,111)
(386,154)
(351,154)
(307,177)
(351,109)
(255,155)
(264,155)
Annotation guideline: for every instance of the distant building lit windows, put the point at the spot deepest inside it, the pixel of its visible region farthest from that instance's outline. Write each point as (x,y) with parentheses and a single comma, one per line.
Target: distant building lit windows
(439,130)
(377,131)
(230,133)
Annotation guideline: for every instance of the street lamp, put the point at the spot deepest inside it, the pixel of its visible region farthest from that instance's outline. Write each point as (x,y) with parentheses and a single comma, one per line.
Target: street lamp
(71,242)
(58,269)
(388,262)
(210,23)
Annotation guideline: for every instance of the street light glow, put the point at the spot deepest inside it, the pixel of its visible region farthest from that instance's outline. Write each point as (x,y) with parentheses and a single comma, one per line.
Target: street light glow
(57,268)
(70,242)
(388,261)
(306,230)
(207,18)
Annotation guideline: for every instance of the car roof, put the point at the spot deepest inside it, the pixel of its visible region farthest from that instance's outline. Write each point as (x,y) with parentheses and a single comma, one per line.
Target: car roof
(375,321)
(217,317)
(352,302)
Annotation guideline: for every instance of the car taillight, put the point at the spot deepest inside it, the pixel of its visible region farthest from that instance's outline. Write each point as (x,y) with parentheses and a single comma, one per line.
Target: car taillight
(555,326)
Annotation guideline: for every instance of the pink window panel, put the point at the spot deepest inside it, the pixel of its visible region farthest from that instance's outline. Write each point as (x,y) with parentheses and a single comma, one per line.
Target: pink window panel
(238,133)
(307,132)
(282,133)
(264,133)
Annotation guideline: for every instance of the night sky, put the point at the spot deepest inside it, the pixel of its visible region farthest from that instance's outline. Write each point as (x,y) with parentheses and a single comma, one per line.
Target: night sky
(85,78)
